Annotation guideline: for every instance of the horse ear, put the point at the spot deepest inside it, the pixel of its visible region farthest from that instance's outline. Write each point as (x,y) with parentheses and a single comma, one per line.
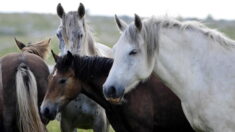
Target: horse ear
(60,10)
(81,10)
(121,24)
(138,22)
(19,44)
(55,56)
(46,42)
(70,55)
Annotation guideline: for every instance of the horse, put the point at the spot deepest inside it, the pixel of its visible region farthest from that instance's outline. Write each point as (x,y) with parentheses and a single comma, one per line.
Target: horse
(150,107)
(23,84)
(195,62)
(74,35)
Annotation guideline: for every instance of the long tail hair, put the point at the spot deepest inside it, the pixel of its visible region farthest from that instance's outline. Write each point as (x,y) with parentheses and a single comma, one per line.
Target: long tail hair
(27,99)
(1,99)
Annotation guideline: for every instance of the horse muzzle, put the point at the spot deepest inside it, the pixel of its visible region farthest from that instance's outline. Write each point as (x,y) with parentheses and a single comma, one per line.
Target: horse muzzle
(113,94)
(49,111)
(117,101)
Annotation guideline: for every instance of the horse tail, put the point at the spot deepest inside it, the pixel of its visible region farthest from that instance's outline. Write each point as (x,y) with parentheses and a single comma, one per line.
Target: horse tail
(27,99)
(1,99)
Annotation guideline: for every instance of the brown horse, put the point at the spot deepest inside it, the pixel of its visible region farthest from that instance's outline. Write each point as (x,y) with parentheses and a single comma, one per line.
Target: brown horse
(150,107)
(23,84)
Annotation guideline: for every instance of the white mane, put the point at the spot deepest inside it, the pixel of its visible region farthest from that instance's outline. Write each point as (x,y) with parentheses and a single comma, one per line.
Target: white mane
(213,34)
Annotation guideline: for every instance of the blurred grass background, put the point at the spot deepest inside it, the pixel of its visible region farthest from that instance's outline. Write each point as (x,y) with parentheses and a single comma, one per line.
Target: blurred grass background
(28,27)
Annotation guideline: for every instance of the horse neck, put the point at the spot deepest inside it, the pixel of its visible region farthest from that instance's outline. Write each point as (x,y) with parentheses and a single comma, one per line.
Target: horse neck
(93,89)
(188,61)
(88,47)
(93,71)
(39,51)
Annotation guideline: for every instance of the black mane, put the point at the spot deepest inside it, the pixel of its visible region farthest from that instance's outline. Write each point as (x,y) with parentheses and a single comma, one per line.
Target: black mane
(63,63)
(85,67)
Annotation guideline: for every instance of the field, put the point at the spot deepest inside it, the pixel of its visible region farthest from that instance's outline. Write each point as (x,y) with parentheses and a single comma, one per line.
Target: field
(35,27)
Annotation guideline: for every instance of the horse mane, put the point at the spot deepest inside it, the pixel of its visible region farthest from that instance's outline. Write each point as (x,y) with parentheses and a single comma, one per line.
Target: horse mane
(41,48)
(85,67)
(152,26)
(213,34)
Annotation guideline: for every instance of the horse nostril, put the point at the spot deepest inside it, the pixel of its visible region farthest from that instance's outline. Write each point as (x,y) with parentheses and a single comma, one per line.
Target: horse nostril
(80,36)
(46,111)
(112,91)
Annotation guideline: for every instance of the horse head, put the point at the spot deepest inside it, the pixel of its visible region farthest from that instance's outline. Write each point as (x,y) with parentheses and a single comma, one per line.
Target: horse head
(40,48)
(62,87)
(72,30)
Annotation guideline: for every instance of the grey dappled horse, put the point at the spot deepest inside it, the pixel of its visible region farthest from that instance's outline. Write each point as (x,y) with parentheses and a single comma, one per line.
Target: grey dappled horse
(74,35)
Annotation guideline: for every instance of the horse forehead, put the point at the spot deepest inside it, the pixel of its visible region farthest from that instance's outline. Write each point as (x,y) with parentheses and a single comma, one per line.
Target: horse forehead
(74,26)
(73,19)
(123,44)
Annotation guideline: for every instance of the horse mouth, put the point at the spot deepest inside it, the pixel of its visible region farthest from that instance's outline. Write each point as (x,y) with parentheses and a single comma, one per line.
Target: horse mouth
(45,120)
(115,100)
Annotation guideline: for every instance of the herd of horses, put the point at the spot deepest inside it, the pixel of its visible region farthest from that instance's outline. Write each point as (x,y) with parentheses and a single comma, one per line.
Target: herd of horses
(161,75)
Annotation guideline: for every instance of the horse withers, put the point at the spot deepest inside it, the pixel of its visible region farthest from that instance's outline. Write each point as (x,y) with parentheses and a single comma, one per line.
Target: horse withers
(24,83)
(150,107)
(74,35)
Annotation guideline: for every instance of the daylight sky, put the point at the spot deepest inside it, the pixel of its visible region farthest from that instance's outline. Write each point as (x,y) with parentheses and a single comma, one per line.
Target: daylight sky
(219,9)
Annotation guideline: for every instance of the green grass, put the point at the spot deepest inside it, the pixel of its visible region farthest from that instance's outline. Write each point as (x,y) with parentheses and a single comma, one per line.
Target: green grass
(54,126)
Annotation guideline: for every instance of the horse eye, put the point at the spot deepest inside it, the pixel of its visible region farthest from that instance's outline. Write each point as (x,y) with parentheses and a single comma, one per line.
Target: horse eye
(57,34)
(30,52)
(62,81)
(133,52)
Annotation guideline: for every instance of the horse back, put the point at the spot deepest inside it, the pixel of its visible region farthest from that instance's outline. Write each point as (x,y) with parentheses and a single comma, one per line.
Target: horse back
(36,65)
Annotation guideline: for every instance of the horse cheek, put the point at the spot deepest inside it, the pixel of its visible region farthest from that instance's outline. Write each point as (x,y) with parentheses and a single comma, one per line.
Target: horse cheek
(72,88)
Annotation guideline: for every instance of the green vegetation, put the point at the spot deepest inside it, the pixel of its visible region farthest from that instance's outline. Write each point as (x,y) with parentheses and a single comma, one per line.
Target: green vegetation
(54,127)
(35,27)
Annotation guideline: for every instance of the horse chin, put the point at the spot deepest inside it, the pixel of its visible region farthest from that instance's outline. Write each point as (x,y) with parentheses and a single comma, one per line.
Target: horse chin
(61,106)
(45,120)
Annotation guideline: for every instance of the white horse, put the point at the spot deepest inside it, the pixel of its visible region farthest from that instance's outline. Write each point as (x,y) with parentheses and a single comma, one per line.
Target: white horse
(74,35)
(195,62)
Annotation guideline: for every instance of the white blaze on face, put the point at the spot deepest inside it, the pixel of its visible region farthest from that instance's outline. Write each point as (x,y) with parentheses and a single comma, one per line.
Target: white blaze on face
(54,74)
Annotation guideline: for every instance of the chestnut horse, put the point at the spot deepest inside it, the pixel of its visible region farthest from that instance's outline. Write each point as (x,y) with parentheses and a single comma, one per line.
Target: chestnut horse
(23,84)
(150,107)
